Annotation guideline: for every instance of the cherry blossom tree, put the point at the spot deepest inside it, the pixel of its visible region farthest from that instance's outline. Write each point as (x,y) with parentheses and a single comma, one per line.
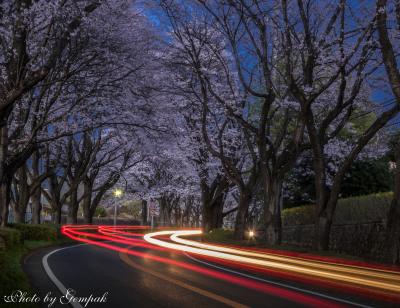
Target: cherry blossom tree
(389,11)
(100,58)
(34,38)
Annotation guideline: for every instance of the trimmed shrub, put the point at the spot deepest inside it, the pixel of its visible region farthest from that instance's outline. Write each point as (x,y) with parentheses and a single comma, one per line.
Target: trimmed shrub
(100,212)
(362,209)
(10,236)
(219,235)
(43,232)
(300,215)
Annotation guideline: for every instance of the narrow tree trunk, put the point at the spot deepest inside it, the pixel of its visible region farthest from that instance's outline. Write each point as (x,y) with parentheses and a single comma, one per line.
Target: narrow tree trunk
(19,214)
(186,214)
(72,217)
(324,219)
(36,206)
(87,202)
(87,213)
(4,191)
(272,211)
(217,212)
(241,215)
(206,209)
(22,194)
(87,216)
(4,201)
(212,215)
(321,224)
(37,193)
(57,215)
(164,211)
(212,204)
(144,212)
(392,242)
(3,204)
(322,232)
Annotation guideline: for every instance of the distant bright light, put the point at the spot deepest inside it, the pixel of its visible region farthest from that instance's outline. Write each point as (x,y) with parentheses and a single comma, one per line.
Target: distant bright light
(251,233)
(118,192)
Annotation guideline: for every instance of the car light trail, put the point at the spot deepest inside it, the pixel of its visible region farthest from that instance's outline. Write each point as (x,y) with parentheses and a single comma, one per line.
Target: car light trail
(384,280)
(386,274)
(308,300)
(68,231)
(371,282)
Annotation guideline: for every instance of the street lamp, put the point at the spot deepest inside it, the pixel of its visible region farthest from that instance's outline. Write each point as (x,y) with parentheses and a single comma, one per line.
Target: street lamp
(251,234)
(117,194)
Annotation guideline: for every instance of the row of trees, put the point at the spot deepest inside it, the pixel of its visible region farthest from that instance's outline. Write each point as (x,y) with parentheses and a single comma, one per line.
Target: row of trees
(262,86)
(212,111)
(74,102)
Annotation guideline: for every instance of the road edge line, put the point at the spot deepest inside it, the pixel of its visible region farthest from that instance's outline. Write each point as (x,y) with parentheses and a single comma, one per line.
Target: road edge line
(53,277)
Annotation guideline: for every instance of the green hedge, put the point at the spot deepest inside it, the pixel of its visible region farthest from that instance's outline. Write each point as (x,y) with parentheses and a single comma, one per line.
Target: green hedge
(43,232)
(10,236)
(360,209)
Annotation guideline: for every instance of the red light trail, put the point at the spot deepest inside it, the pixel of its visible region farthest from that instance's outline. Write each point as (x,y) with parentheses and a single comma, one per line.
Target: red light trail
(384,282)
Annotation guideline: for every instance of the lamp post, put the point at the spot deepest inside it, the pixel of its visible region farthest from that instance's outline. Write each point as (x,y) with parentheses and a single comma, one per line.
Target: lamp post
(117,194)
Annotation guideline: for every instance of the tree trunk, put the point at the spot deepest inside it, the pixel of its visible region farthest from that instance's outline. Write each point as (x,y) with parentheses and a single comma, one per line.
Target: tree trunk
(241,215)
(272,211)
(217,212)
(72,217)
(87,216)
(206,210)
(325,215)
(87,203)
(322,232)
(87,213)
(144,212)
(213,213)
(212,203)
(4,201)
(4,190)
(392,242)
(37,193)
(19,208)
(36,206)
(164,212)
(19,214)
(57,215)
(322,224)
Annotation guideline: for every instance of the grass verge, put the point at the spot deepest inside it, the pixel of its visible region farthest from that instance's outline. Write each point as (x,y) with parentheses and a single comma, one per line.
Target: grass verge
(12,276)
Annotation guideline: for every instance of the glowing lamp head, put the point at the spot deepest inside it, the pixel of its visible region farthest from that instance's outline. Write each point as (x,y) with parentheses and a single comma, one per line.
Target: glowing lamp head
(118,193)
(251,233)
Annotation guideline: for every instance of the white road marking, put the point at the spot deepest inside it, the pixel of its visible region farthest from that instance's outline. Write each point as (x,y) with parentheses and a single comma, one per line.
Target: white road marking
(63,289)
(278,283)
(53,277)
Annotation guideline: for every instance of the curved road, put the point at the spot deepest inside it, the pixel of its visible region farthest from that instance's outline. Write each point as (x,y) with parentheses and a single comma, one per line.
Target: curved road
(134,280)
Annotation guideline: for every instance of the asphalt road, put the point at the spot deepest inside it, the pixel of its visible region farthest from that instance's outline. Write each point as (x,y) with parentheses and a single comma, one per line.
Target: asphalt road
(140,282)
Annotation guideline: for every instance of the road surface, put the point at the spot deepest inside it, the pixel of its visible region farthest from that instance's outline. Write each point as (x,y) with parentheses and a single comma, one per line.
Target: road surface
(138,274)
